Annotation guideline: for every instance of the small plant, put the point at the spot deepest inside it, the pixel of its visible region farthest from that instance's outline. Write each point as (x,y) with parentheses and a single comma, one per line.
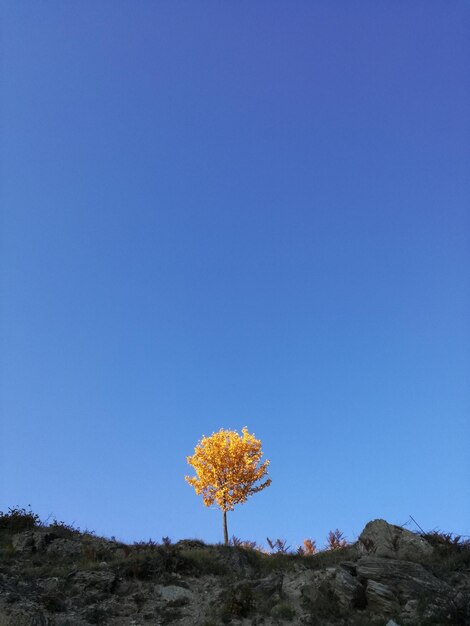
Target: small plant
(190,543)
(336,540)
(140,546)
(62,529)
(309,547)
(150,543)
(437,537)
(278,546)
(17,520)
(240,543)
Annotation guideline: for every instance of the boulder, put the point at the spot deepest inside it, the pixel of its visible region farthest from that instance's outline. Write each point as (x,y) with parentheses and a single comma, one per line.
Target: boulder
(174,593)
(382,539)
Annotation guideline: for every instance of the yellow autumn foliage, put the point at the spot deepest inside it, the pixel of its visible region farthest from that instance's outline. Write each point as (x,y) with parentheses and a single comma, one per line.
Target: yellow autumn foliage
(228,467)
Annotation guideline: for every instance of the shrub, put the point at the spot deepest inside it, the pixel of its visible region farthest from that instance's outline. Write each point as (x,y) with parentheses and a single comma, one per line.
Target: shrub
(336,540)
(17,520)
(437,537)
(451,552)
(278,546)
(190,543)
(62,529)
(144,545)
(308,548)
(240,543)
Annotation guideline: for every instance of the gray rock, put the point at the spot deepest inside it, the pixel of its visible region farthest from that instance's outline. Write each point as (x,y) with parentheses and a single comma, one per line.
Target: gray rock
(348,590)
(267,587)
(65,548)
(310,592)
(320,580)
(23,542)
(381,598)
(386,540)
(409,580)
(172,593)
(32,541)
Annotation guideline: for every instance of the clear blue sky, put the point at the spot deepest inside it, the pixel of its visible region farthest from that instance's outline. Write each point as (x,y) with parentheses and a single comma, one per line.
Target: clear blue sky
(218,214)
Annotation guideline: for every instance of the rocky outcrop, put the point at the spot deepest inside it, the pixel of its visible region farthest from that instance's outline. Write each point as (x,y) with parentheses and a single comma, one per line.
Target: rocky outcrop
(390,577)
(349,590)
(382,539)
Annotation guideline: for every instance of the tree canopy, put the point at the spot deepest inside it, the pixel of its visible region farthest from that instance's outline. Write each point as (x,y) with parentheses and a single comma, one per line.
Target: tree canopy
(228,469)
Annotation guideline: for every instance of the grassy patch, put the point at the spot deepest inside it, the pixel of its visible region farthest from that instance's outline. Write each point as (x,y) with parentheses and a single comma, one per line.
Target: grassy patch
(205,561)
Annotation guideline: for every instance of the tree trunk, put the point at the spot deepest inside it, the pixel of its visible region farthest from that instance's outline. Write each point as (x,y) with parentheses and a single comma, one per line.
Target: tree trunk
(225,528)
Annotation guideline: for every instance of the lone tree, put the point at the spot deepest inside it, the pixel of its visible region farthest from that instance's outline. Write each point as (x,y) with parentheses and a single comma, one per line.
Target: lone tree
(228,466)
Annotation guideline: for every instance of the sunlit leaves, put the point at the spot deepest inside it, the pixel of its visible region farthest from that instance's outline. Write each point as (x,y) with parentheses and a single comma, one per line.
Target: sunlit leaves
(228,468)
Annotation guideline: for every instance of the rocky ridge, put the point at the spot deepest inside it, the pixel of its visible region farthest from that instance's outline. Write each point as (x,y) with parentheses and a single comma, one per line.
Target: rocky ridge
(57,576)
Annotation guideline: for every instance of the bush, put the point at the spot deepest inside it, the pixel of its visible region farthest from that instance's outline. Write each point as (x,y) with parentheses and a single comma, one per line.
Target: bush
(17,520)
(62,529)
(308,548)
(146,545)
(243,543)
(336,540)
(278,546)
(439,538)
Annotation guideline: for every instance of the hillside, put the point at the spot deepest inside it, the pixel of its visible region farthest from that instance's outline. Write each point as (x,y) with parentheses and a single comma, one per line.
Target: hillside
(54,575)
